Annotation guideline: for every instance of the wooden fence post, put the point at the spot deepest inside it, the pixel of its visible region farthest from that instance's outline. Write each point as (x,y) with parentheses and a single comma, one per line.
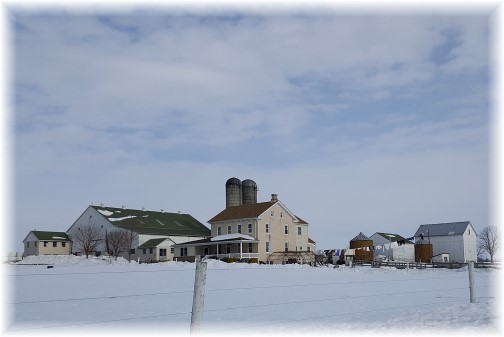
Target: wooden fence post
(198,295)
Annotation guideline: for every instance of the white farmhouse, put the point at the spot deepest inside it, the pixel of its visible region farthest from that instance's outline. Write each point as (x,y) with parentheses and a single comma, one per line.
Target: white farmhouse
(458,239)
(157,231)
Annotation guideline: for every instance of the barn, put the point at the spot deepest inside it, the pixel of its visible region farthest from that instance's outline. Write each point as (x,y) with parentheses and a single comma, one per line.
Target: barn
(458,239)
(155,232)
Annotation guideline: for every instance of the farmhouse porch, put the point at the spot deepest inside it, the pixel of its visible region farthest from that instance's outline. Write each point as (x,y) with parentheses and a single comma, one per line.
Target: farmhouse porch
(222,246)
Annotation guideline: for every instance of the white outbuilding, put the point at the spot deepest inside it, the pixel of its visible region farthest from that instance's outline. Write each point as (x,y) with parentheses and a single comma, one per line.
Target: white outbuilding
(458,239)
(393,246)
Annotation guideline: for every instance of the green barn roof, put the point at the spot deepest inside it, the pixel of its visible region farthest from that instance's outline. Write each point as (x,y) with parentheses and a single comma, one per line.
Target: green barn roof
(154,223)
(46,236)
(151,243)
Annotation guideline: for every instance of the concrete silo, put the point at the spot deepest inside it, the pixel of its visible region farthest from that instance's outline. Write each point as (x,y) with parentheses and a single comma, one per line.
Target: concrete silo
(233,192)
(249,192)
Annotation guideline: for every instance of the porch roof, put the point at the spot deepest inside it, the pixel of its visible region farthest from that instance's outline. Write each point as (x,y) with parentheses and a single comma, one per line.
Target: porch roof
(209,242)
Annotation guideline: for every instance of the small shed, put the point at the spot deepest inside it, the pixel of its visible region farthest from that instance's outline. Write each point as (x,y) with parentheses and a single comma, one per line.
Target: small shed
(442,258)
(363,242)
(47,243)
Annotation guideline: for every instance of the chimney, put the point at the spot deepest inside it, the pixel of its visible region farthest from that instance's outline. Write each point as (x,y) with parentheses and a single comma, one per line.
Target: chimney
(274,197)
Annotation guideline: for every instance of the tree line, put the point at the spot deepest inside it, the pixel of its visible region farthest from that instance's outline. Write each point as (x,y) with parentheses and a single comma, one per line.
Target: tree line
(87,239)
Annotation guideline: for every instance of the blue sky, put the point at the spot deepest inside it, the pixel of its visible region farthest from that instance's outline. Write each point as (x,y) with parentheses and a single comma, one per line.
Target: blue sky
(358,122)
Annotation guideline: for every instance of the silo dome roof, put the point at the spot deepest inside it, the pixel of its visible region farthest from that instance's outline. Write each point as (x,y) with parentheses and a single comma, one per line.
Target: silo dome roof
(360,237)
(248,182)
(233,181)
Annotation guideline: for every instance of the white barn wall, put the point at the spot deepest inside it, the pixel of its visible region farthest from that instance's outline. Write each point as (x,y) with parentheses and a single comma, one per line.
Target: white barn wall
(91,217)
(31,250)
(470,244)
(451,244)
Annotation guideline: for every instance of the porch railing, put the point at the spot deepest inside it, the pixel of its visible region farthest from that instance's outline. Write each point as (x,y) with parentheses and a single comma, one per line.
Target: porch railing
(235,255)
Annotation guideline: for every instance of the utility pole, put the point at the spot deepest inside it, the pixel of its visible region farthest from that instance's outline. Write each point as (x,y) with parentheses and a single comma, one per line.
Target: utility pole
(198,295)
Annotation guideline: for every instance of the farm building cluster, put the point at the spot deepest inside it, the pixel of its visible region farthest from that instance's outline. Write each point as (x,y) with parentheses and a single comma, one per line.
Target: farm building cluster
(246,231)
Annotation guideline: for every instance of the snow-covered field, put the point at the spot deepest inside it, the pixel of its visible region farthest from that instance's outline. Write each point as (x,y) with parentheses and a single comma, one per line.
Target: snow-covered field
(107,296)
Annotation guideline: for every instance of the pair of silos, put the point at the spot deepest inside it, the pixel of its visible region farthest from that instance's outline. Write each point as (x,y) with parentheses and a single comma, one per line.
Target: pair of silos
(240,192)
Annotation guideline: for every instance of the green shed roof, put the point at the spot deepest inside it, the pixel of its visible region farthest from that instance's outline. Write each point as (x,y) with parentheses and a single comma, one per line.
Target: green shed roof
(41,235)
(154,223)
(151,243)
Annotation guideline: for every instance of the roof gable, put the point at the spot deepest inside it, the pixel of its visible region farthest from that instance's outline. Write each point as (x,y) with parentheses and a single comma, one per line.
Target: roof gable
(360,237)
(152,222)
(443,229)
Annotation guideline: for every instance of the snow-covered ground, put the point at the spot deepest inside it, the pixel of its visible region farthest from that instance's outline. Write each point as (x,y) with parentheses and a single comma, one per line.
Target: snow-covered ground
(107,296)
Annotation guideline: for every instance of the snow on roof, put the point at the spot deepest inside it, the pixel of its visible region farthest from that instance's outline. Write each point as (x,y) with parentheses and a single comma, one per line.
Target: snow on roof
(123,218)
(105,212)
(231,237)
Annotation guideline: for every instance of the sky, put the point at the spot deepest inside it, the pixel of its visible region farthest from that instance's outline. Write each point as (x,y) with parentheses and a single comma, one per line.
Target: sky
(361,121)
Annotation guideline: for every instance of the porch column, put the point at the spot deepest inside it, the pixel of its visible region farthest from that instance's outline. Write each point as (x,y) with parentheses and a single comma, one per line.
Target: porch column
(241,249)
(217,252)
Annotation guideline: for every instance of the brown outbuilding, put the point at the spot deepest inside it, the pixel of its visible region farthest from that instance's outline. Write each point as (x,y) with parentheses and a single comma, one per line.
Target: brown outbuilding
(362,241)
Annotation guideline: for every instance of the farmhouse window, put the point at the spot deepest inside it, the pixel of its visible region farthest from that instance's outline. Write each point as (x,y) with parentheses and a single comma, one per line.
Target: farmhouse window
(162,252)
(286,229)
(267,247)
(63,244)
(151,250)
(250,228)
(45,243)
(267,228)
(172,250)
(239,229)
(219,230)
(183,251)
(55,244)
(144,251)
(27,245)
(35,243)
(229,229)
(286,246)
(299,230)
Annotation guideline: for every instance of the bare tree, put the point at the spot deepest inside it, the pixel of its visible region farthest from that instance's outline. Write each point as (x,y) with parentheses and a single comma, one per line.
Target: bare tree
(131,239)
(480,253)
(87,239)
(490,240)
(117,242)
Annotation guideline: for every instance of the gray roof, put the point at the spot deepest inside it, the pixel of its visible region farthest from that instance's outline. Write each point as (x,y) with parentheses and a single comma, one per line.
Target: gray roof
(360,237)
(443,229)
